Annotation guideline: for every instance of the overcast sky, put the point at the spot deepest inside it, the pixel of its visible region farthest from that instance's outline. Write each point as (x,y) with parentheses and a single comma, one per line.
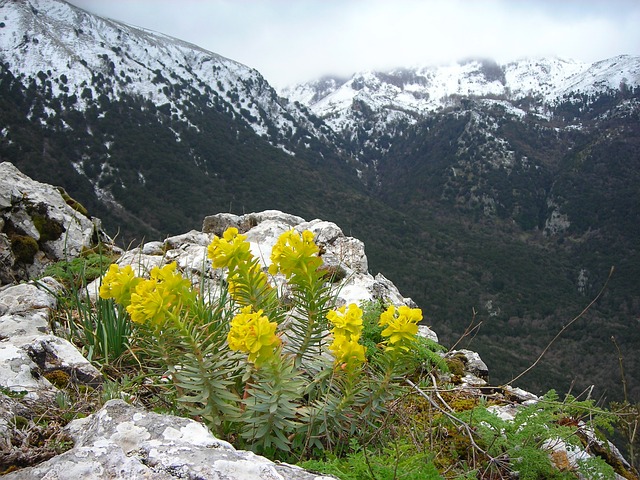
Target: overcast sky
(297,40)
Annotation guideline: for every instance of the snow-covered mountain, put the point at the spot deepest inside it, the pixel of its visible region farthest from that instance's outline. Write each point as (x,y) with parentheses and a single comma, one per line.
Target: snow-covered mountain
(77,53)
(409,94)
(119,114)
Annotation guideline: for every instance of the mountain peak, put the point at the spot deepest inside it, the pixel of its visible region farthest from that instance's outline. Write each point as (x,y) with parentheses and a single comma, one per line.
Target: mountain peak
(410,93)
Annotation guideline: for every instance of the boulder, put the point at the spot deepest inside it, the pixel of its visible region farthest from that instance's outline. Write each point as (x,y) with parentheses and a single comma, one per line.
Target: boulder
(39,225)
(28,349)
(467,369)
(124,442)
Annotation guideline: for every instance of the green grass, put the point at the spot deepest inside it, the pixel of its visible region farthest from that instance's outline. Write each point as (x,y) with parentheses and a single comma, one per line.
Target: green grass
(399,461)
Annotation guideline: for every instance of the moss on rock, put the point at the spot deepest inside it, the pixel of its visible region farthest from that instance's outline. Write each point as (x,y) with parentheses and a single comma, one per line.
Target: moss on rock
(73,203)
(48,228)
(456,366)
(24,248)
(58,378)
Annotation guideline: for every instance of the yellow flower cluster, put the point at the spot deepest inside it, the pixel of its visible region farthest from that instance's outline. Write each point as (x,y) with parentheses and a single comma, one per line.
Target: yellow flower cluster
(147,300)
(252,332)
(347,329)
(401,326)
(294,253)
(230,250)
(118,283)
(247,283)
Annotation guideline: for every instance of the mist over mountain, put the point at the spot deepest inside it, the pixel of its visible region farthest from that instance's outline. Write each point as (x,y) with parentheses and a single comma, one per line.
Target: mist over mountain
(499,194)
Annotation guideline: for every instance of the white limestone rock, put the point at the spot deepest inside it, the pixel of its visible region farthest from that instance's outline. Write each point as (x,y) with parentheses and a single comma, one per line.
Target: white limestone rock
(193,238)
(217,224)
(476,373)
(325,233)
(39,211)
(53,353)
(19,373)
(124,442)
(473,364)
(153,248)
(191,259)
(347,252)
(141,263)
(264,236)
(28,350)
(24,309)
(426,332)
(273,215)
(25,298)
(37,323)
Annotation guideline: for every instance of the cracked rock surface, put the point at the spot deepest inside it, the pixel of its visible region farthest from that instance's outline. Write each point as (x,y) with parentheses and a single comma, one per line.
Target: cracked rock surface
(124,442)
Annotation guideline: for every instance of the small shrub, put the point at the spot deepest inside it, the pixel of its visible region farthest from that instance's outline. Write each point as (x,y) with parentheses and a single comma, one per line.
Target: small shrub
(261,368)
(525,440)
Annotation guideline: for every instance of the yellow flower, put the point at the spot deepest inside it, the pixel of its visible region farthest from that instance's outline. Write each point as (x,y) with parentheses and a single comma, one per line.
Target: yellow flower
(345,321)
(401,326)
(347,329)
(253,333)
(230,250)
(118,283)
(170,280)
(262,340)
(347,349)
(294,253)
(162,295)
(239,331)
(148,303)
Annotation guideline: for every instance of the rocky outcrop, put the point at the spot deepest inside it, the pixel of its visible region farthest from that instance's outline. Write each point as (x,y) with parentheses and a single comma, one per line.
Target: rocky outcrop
(124,442)
(29,352)
(343,256)
(121,441)
(118,441)
(39,224)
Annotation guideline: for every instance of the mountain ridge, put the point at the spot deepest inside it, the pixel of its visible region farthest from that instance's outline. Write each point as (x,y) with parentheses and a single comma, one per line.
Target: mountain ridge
(65,46)
(549,77)
(408,94)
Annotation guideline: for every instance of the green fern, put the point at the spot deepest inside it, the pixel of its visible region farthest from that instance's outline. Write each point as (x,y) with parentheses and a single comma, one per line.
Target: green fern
(525,440)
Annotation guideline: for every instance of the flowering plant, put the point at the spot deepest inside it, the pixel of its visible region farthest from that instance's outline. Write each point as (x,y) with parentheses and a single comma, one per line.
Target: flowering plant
(253,333)
(401,326)
(283,374)
(347,330)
